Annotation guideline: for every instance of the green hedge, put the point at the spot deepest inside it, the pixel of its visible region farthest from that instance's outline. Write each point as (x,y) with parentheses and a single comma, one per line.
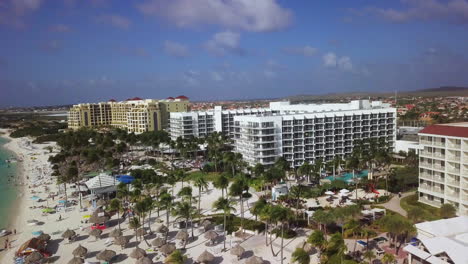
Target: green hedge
(233,223)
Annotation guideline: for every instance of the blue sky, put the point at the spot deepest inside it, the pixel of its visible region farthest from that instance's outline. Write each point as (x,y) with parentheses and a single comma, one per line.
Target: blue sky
(70,51)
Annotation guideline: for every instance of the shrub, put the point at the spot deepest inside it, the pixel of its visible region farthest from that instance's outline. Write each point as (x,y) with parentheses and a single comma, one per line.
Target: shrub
(288,233)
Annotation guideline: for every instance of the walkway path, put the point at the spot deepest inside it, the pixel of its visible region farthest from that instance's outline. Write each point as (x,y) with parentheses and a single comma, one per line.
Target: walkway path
(394,203)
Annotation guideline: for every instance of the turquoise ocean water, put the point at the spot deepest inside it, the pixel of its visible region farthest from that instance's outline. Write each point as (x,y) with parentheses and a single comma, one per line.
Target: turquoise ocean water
(7,189)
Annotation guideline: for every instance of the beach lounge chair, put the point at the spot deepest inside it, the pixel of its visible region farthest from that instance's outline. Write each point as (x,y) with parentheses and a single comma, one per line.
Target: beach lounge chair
(108,242)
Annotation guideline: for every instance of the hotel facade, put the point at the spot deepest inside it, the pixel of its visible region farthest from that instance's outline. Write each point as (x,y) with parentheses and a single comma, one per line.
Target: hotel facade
(297,132)
(443,166)
(133,115)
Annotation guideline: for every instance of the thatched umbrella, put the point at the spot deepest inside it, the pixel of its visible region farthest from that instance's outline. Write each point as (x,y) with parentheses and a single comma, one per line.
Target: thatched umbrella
(95,233)
(206,224)
(106,255)
(80,251)
(167,249)
(76,260)
(141,232)
(34,257)
(205,257)
(115,233)
(162,229)
(238,251)
(44,237)
(211,235)
(158,242)
(101,202)
(144,260)
(138,253)
(308,248)
(94,219)
(254,260)
(68,234)
(182,235)
(121,241)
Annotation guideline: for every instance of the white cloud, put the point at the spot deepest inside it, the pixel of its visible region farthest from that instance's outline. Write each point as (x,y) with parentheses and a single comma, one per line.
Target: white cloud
(250,15)
(216,76)
(329,59)
(224,42)
(343,63)
(306,51)
(175,49)
(115,21)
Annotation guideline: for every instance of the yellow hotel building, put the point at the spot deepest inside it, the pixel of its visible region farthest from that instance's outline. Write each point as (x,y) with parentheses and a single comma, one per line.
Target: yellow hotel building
(134,115)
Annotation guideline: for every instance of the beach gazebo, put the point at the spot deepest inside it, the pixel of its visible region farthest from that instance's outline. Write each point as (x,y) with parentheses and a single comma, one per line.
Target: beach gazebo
(115,233)
(95,233)
(162,229)
(211,235)
(238,251)
(158,242)
(44,237)
(138,253)
(206,224)
(167,249)
(182,235)
(106,255)
(144,260)
(205,257)
(76,260)
(102,184)
(80,251)
(68,234)
(121,241)
(34,257)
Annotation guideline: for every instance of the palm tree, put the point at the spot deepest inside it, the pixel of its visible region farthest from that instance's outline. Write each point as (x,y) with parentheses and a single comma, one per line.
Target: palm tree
(223,204)
(116,205)
(176,257)
(323,218)
(221,182)
(134,224)
(305,169)
(398,228)
(265,216)
(202,184)
(388,258)
(166,203)
(258,207)
(237,189)
(369,255)
(184,210)
(282,215)
(336,248)
(300,256)
(318,240)
(232,160)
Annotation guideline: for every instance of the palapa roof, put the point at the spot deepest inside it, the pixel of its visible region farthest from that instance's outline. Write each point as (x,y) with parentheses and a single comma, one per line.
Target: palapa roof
(205,257)
(44,237)
(211,235)
(106,255)
(137,253)
(162,229)
(141,232)
(121,241)
(144,260)
(254,260)
(34,257)
(182,235)
(167,249)
(76,260)
(95,232)
(158,242)
(115,233)
(32,244)
(80,251)
(68,233)
(237,250)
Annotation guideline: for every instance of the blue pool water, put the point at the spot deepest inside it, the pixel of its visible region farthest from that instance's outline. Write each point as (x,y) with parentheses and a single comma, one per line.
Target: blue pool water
(348,176)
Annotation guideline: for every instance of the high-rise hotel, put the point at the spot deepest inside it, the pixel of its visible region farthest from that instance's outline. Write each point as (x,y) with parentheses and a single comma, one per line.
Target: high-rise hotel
(297,132)
(443,166)
(134,115)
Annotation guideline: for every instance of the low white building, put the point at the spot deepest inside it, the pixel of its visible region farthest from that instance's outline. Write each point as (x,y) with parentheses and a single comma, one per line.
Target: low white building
(279,190)
(407,145)
(102,183)
(441,241)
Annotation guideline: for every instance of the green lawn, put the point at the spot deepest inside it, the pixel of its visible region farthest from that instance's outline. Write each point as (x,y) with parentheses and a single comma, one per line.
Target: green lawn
(210,176)
(429,213)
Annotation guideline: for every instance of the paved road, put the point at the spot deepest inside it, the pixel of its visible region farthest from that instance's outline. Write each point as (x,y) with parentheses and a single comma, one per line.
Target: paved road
(394,203)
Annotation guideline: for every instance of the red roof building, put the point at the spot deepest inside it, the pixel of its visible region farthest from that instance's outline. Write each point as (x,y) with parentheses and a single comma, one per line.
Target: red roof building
(451,130)
(170,98)
(112,100)
(182,97)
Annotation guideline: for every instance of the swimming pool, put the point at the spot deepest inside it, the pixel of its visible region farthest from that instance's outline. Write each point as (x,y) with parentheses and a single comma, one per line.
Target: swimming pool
(348,176)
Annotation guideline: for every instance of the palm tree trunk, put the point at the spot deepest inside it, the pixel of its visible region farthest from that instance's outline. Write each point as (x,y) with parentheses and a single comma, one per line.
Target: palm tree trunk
(199,201)
(167,221)
(266,233)
(224,227)
(118,218)
(242,213)
(282,240)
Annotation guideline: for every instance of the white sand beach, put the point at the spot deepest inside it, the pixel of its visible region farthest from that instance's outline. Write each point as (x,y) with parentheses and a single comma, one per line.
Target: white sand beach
(36,172)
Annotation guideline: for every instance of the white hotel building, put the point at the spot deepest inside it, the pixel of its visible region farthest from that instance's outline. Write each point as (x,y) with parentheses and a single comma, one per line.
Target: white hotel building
(298,132)
(443,166)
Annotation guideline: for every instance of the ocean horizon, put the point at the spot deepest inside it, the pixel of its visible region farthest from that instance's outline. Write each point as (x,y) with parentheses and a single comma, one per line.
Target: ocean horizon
(8,191)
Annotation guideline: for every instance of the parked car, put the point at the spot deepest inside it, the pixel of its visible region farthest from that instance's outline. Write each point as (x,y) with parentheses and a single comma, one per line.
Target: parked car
(380,240)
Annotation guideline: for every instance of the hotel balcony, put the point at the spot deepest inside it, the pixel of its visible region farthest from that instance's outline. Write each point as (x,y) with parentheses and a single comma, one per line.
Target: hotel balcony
(453,170)
(424,153)
(453,158)
(431,202)
(439,143)
(453,146)
(453,182)
(426,176)
(425,142)
(438,179)
(438,155)
(438,167)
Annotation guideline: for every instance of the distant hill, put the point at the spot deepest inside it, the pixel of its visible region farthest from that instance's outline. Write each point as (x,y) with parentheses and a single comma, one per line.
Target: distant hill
(430,92)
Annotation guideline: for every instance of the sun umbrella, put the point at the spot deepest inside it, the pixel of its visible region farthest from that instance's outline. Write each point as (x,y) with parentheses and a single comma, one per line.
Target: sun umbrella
(125,179)
(95,233)
(167,249)
(144,260)
(344,191)
(94,219)
(68,234)
(86,216)
(182,235)
(76,260)
(329,193)
(205,257)
(121,241)
(162,229)
(37,233)
(115,233)
(206,224)
(158,242)
(106,255)
(34,257)
(138,253)
(44,237)
(80,251)
(141,232)
(237,250)
(211,235)
(254,260)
